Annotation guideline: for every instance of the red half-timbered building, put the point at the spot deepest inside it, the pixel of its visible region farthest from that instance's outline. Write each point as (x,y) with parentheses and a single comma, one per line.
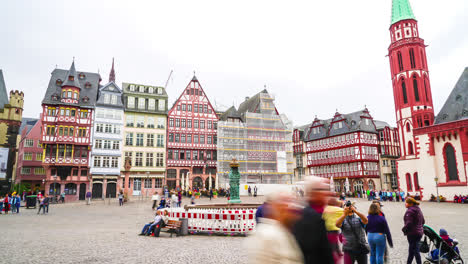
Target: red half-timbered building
(344,147)
(191,139)
(67,118)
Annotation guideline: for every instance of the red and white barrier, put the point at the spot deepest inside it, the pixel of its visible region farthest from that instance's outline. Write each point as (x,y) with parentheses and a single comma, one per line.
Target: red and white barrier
(239,221)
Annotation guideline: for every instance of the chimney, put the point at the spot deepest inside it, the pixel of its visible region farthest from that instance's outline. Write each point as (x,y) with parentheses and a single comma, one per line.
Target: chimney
(247,98)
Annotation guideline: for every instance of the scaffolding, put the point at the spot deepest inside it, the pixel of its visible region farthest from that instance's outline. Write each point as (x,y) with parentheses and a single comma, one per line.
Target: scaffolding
(261,141)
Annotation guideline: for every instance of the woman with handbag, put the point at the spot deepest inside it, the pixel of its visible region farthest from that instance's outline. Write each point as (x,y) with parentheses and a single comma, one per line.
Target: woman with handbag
(377,231)
(355,245)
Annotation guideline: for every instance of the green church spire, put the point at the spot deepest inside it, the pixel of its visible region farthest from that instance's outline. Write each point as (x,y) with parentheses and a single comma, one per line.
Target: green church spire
(401,10)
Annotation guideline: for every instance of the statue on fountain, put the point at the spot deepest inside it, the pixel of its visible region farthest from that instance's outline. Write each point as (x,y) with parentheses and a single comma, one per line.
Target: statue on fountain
(234,178)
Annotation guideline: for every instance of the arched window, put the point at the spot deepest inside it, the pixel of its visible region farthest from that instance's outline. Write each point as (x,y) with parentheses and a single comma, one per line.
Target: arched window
(451,170)
(408,127)
(412,61)
(409,185)
(425,90)
(70,188)
(400,61)
(416,182)
(410,148)
(415,88)
(403,90)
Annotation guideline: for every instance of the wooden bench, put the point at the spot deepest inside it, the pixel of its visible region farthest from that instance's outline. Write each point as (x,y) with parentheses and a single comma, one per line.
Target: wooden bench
(173,226)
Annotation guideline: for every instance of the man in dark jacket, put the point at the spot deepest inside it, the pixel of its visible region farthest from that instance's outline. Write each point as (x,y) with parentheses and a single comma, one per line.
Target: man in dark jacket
(310,231)
(413,228)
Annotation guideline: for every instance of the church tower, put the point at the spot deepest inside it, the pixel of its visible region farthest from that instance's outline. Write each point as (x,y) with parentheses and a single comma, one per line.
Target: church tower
(410,77)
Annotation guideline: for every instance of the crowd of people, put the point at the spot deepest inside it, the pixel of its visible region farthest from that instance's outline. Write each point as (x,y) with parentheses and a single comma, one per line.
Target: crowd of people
(328,230)
(460,199)
(12,202)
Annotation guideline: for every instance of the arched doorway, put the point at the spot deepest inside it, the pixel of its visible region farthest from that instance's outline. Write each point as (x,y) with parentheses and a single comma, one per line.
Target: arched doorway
(54,189)
(207,182)
(82,191)
(197,182)
(358,186)
(97,190)
(371,185)
(111,189)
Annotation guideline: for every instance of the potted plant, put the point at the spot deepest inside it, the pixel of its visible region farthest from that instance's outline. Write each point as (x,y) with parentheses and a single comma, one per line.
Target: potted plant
(197,195)
(215,194)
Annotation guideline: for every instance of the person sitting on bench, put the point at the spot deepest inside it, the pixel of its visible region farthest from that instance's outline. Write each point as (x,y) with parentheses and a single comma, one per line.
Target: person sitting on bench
(148,228)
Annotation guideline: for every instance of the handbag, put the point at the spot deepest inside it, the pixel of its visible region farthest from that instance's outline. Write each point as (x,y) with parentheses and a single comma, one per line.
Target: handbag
(363,248)
(424,246)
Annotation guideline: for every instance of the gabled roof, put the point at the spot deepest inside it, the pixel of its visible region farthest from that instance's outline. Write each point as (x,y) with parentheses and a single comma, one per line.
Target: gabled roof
(230,113)
(381,124)
(3,92)
(110,87)
(27,123)
(456,105)
(90,91)
(352,122)
(401,10)
(71,74)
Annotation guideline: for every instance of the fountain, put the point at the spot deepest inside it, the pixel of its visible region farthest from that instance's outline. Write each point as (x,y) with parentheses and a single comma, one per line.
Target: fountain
(234,217)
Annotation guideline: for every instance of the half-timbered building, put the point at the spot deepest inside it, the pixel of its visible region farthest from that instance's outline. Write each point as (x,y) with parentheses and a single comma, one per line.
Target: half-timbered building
(191,139)
(67,120)
(344,147)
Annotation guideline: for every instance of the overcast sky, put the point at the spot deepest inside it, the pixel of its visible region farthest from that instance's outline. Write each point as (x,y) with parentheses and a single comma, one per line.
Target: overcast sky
(314,56)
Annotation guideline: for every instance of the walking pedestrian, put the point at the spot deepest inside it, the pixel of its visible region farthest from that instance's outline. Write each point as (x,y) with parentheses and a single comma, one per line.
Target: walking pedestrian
(250,191)
(352,224)
(330,215)
(310,231)
(121,198)
(377,231)
(273,241)
(62,197)
(255,191)
(6,204)
(1,204)
(88,198)
(41,204)
(12,201)
(179,196)
(155,198)
(46,204)
(211,194)
(413,229)
(18,203)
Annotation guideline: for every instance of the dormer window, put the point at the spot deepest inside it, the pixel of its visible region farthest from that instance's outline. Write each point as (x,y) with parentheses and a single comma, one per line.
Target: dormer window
(85,99)
(81,76)
(58,82)
(71,78)
(87,85)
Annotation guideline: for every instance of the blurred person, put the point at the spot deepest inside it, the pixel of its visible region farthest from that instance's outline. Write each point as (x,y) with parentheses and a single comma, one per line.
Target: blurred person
(12,201)
(45,208)
(273,241)
(155,199)
(310,231)
(62,197)
(174,200)
(413,229)
(6,204)
(377,231)
(330,215)
(41,204)
(179,196)
(162,203)
(1,204)
(88,198)
(255,191)
(352,224)
(262,209)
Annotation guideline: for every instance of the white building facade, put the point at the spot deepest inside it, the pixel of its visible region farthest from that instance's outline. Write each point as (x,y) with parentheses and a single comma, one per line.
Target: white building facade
(106,154)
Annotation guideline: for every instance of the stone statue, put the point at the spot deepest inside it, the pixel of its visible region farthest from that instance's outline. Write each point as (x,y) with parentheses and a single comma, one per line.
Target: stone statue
(234,177)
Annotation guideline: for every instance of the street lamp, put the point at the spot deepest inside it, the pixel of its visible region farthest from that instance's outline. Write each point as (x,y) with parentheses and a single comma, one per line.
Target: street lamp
(436,179)
(146,189)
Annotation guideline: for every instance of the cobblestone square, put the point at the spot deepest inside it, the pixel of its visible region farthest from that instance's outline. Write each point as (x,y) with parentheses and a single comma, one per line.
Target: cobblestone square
(107,233)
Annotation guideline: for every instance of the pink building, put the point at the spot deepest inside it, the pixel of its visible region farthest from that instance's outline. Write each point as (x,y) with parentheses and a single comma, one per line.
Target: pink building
(29,168)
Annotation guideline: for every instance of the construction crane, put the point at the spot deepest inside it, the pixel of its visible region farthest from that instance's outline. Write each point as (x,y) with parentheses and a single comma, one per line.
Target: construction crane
(168,78)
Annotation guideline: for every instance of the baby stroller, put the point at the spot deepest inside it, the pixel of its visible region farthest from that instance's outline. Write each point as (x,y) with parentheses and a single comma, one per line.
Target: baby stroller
(438,251)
